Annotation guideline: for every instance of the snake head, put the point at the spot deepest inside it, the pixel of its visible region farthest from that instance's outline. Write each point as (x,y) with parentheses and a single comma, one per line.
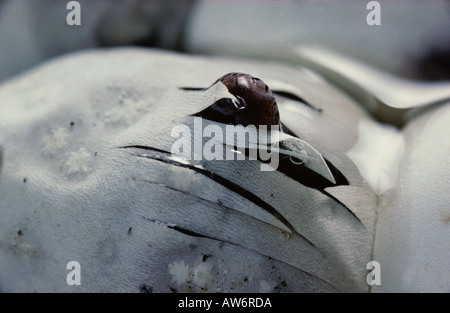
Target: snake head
(256,104)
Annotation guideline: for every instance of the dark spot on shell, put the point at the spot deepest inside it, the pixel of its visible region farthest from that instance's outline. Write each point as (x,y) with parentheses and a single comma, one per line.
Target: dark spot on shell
(19,233)
(205,257)
(143,288)
(25,180)
(445,217)
(72,124)
(256,105)
(173,290)
(129,230)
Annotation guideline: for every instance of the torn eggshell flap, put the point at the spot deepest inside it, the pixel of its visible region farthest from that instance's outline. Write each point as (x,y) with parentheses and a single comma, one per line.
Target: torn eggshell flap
(277,142)
(199,100)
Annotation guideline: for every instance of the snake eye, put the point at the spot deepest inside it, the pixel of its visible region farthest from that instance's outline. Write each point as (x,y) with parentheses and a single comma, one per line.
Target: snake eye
(259,84)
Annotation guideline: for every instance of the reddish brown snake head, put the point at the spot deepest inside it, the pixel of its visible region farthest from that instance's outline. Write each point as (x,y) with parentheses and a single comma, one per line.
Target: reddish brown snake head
(256,104)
